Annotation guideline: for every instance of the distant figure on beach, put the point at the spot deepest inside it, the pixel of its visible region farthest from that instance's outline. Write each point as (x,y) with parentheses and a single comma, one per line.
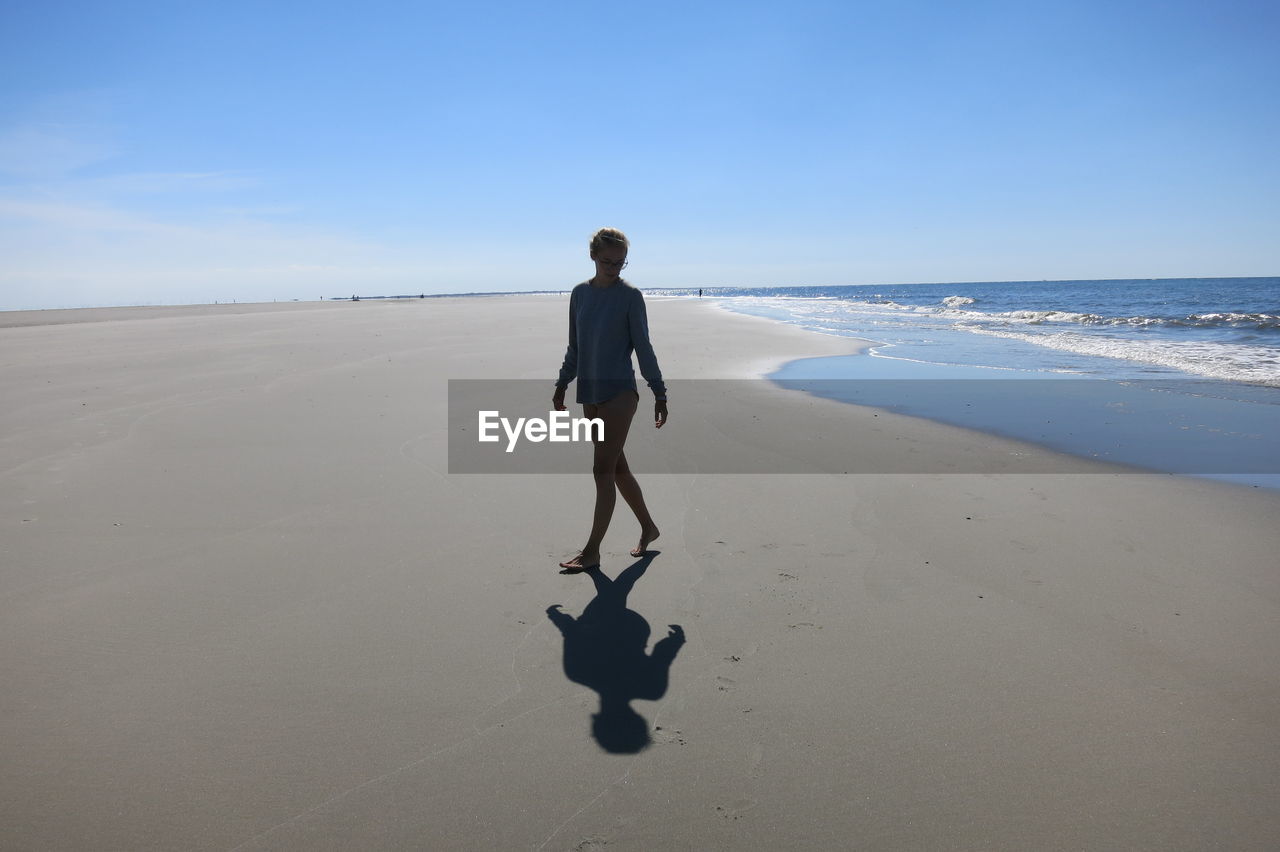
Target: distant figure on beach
(699,292)
(607,322)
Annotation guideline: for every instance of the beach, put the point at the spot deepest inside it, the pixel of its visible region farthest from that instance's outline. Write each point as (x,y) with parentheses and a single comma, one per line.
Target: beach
(246,605)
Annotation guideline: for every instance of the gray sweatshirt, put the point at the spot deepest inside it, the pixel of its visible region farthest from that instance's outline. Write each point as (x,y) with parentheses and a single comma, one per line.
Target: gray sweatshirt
(605,325)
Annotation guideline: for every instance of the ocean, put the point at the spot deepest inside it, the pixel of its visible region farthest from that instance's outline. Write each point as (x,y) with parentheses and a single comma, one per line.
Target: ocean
(1193,363)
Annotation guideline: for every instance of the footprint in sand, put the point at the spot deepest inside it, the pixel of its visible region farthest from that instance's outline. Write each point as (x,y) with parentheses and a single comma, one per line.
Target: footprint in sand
(755,761)
(673,737)
(736,810)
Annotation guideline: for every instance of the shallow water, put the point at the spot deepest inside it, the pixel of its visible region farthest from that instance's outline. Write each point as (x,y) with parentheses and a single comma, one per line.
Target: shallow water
(1173,375)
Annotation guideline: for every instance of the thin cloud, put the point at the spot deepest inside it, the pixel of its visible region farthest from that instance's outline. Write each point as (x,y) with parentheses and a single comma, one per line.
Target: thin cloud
(76,217)
(47,151)
(72,254)
(157,183)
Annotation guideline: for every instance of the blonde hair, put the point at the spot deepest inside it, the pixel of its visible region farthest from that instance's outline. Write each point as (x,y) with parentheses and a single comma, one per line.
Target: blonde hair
(608,237)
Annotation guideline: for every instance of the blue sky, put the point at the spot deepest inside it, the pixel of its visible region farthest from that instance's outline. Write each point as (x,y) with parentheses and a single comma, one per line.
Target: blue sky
(159,152)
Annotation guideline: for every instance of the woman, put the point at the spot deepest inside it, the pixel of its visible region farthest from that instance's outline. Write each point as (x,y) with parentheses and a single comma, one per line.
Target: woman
(607,322)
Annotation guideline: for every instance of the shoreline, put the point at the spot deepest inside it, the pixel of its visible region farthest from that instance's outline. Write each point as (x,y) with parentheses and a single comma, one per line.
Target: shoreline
(1177,432)
(823,356)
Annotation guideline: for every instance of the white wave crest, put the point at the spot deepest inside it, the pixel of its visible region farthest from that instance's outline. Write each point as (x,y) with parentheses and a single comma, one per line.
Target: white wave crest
(1215,360)
(1262,322)
(1039,317)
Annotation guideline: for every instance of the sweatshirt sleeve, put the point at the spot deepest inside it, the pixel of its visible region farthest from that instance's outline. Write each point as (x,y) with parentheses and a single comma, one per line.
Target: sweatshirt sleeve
(639,320)
(569,368)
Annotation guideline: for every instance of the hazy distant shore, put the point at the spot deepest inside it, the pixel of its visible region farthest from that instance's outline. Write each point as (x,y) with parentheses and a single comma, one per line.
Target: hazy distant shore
(60,316)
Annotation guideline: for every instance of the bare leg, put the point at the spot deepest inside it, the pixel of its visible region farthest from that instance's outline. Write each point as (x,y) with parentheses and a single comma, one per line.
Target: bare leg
(616,414)
(629,488)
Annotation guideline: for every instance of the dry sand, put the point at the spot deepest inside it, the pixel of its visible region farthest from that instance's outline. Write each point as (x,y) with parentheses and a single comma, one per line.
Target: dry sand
(243,605)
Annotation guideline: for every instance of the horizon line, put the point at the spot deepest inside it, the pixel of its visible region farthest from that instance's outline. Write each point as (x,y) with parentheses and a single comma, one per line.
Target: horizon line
(477,293)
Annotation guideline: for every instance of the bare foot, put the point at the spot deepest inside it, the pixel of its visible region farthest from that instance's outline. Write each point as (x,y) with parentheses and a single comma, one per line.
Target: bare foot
(582,562)
(647,536)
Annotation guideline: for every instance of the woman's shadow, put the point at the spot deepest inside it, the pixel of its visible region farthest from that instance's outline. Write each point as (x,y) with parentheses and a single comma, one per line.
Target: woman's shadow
(604,648)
